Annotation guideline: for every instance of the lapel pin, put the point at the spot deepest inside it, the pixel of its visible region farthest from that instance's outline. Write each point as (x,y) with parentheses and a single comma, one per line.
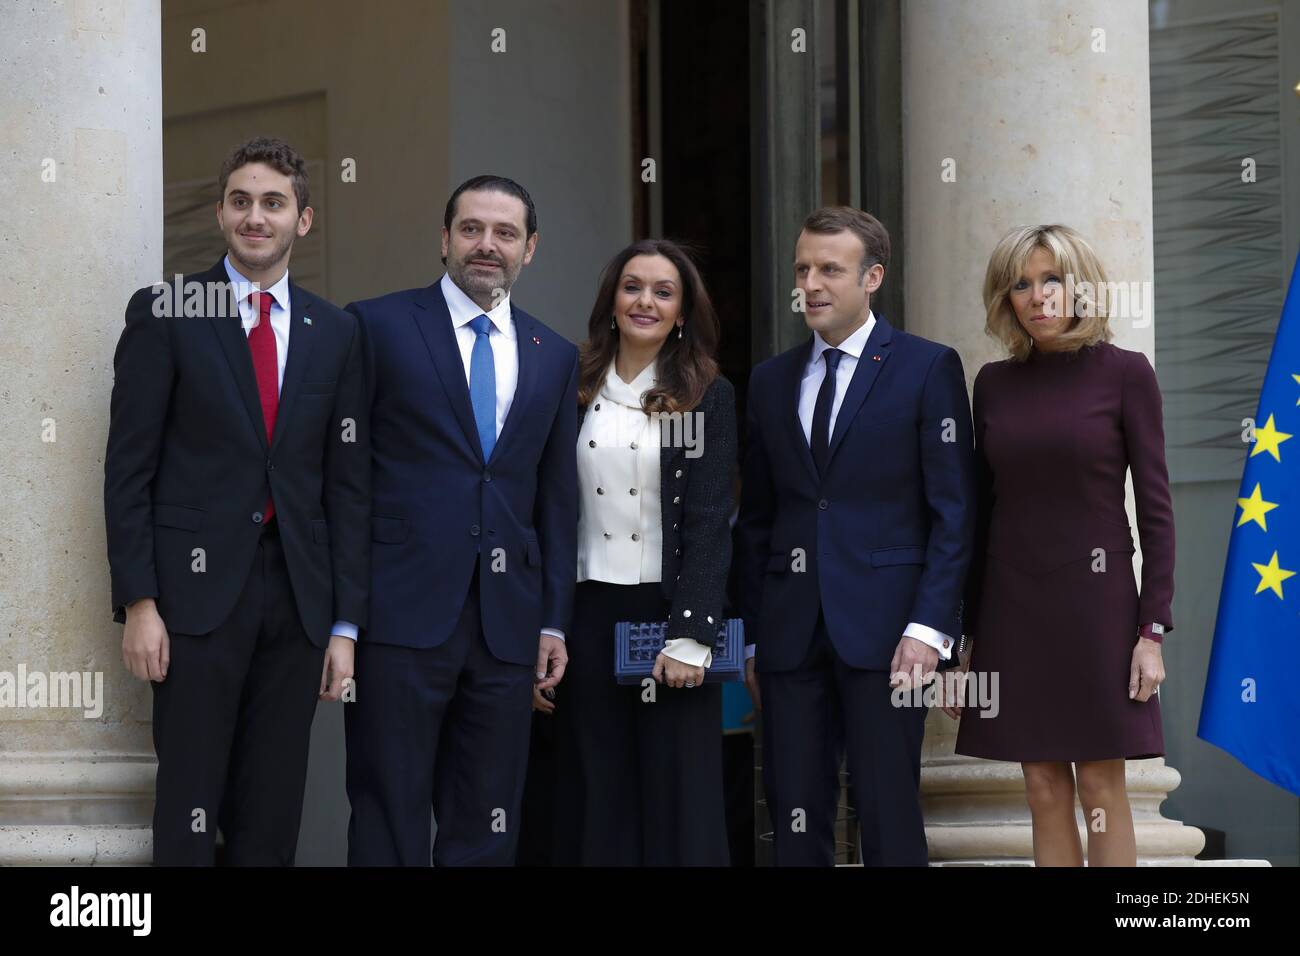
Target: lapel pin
(536,340)
(306,320)
(875,358)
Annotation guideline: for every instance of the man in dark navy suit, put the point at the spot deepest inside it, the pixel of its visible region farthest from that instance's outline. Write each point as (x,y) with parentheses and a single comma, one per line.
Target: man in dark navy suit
(236,499)
(854,535)
(474,545)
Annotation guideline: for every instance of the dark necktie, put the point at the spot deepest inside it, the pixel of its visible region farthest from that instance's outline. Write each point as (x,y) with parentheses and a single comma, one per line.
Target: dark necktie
(266,369)
(821,423)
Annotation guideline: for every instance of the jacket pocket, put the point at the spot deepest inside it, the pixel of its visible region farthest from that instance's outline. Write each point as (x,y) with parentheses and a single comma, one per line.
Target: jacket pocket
(178,516)
(885,557)
(388,529)
(316,388)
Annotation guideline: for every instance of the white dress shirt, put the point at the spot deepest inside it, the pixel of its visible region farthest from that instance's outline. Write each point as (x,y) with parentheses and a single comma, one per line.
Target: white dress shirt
(814,374)
(250,315)
(505,352)
(501,336)
(620,524)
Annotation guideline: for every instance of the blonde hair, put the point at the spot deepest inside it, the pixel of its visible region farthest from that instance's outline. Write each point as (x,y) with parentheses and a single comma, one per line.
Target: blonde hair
(1073,257)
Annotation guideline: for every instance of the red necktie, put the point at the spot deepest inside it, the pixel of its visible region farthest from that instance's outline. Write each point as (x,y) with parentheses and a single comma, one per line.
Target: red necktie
(266,367)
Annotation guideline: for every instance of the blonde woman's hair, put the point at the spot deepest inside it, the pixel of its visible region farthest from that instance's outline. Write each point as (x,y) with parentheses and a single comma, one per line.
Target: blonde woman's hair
(1081,270)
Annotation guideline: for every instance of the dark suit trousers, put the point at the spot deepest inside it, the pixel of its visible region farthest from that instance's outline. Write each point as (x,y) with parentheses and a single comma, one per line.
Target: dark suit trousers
(811,716)
(637,782)
(444,727)
(232,728)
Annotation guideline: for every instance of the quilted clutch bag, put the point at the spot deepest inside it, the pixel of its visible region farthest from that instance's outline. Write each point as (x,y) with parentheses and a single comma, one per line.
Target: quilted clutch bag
(638,643)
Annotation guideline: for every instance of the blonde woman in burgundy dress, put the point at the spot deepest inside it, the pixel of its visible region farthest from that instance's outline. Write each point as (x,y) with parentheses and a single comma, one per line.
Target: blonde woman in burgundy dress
(1052,605)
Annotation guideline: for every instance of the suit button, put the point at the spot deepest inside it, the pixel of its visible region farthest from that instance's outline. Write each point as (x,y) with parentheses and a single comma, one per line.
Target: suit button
(686,613)
(608,535)
(674,525)
(270,465)
(487,476)
(677,551)
(474,529)
(257,517)
(592,443)
(631,491)
(823,504)
(634,446)
(600,491)
(598,406)
(679,473)
(710,619)
(677,499)
(492,530)
(635,536)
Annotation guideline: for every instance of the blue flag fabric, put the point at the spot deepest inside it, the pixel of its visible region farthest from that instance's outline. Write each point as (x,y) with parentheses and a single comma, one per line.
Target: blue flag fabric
(1251,706)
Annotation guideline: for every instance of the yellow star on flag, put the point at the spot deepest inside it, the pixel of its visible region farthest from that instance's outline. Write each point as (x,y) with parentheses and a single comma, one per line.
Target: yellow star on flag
(1254,508)
(1271,576)
(1297,381)
(1268,439)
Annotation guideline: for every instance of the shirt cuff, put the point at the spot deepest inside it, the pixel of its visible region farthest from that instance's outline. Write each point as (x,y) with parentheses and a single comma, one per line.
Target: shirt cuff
(688,651)
(553,632)
(749,650)
(940,641)
(344,629)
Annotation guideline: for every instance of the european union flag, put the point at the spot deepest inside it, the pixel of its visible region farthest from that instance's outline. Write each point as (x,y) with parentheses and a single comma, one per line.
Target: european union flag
(1251,706)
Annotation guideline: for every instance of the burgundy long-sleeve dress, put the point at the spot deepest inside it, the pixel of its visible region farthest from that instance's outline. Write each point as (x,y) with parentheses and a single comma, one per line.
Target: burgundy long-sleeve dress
(1051,594)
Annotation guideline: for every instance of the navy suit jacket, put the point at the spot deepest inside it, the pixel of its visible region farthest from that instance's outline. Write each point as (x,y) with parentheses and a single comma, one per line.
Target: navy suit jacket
(884,537)
(439,510)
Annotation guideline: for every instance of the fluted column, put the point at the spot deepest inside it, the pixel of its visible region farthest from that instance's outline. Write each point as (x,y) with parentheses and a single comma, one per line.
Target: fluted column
(1019,112)
(81,177)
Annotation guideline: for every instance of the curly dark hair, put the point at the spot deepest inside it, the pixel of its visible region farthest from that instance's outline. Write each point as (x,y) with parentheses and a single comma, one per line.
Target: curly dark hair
(277,154)
(687,366)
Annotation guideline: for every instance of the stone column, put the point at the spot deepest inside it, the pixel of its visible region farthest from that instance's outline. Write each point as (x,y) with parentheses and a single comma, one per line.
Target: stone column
(81,177)
(1014,112)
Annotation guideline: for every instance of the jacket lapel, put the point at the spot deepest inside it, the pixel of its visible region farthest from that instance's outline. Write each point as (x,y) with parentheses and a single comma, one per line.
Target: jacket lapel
(302,337)
(525,331)
(789,401)
(874,355)
(229,330)
(434,322)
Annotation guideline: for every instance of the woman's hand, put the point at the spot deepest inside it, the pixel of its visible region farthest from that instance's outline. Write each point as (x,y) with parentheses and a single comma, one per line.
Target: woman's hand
(1147,671)
(676,674)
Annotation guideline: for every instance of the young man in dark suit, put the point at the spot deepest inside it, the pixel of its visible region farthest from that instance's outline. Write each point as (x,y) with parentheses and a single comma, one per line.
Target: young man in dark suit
(474,415)
(855,529)
(236,498)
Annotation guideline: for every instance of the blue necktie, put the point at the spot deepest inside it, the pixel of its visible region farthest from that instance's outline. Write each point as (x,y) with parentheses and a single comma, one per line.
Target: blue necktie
(821,423)
(483,385)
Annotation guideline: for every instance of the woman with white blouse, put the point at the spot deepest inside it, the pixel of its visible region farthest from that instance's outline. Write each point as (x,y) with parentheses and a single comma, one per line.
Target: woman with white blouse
(639,769)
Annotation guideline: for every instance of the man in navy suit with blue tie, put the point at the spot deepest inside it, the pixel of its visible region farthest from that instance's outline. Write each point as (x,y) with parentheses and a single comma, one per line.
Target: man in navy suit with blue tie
(473,545)
(854,535)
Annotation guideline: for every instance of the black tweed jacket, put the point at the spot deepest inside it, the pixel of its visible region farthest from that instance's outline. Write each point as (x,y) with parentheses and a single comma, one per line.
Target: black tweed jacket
(695,490)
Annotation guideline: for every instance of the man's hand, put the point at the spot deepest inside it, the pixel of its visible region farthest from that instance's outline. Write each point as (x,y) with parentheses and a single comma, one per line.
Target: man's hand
(552,657)
(953,707)
(543,702)
(146,649)
(1147,670)
(751,684)
(337,672)
(913,664)
(674,673)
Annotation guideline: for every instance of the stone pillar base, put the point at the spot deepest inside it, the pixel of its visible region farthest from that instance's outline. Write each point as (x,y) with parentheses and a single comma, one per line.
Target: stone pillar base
(76,809)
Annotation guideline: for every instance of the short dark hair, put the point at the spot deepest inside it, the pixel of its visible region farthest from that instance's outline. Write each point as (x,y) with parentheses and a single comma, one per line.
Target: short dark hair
(277,154)
(875,237)
(498,184)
